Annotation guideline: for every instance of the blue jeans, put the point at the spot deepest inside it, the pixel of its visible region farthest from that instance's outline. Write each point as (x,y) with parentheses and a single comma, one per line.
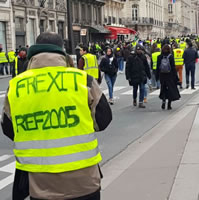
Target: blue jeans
(120,61)
(110,81)
(153,80)
(190,68)
(135,89)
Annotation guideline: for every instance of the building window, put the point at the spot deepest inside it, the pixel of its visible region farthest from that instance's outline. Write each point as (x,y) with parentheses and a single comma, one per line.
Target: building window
(32,31)
(83,11)
(105,20)
(42,26)
(120,20)
(170,8)
(50,4)
(3,35)
(19,24)
(109,19)
(89,17)
(95,15)
(76,12)
(135,12)
(99,15)
(61,29)
(114,20)
(52,25)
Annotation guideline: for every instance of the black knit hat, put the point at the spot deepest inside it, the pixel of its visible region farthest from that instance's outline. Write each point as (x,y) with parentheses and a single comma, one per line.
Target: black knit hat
(23,49)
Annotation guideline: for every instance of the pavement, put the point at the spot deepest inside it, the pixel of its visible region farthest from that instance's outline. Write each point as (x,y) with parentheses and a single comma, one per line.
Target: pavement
(161,165)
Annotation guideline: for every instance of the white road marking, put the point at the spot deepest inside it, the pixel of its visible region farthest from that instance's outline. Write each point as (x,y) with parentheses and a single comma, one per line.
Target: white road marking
(156,92)
(10,168)
(116,88)
(129,92)
(2,95)
(189,91)
(5,157)
(2,92)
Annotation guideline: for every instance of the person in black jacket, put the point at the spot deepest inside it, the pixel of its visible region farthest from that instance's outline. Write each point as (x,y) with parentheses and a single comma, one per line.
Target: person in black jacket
(190,56)
(109,66)
(22,62)
(168,80)
(137,71)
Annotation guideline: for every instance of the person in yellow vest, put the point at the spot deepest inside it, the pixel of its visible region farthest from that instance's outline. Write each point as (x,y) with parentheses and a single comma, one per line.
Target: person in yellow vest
(183,44)
(3,62)
(54,112)
(89,63)
(20,63)
(11,58)
(179,61)
(156,52)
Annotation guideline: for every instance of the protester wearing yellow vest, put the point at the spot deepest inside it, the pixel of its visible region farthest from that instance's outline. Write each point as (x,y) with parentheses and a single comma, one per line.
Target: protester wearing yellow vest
(154,60)
(179,61)
(54,119)
(183,45)
(11,58)
(88,62)
(3,62)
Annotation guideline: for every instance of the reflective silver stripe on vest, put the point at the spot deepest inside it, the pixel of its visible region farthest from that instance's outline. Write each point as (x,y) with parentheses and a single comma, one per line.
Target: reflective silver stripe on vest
(46,144)
(53,160)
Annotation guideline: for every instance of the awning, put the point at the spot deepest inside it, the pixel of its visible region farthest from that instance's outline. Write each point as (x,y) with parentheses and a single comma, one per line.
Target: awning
(119,31)
(99,29)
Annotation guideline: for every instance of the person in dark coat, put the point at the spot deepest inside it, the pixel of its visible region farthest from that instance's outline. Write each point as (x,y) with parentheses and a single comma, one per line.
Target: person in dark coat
(22,62)
(190,56)
(168,80)
(137,71)
(109,66)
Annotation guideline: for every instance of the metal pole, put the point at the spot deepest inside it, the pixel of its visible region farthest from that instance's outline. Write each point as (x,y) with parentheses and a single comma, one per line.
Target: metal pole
(70,27)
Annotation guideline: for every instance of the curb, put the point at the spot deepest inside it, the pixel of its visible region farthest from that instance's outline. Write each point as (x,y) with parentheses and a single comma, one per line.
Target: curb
(5,76)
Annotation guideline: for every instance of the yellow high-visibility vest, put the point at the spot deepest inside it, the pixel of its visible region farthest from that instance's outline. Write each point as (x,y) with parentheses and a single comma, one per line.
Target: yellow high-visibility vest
(91,65)
(3,58)
(183,45)
(178,57)
(134,43)
(16,66)
(53,127)
(11,56)
(155,59)
(159,46)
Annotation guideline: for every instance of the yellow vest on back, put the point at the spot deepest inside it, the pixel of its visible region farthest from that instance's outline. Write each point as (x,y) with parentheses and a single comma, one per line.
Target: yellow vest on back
(91,65)
(178,56)
(155,59)
(54,130)
(183,45)
(11,56)
(3,58)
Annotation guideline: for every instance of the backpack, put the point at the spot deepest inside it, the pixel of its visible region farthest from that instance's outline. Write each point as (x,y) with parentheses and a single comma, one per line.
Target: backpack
(165,66)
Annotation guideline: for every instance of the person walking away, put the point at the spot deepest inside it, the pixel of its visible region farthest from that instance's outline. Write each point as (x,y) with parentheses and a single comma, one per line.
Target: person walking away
(11,58)
(3,62)
(109,66)
(88,62)
(167,75)
(55,142)
(156,52)
(190,56)
(137,71)
(179,62)
(20,62)
(120,59)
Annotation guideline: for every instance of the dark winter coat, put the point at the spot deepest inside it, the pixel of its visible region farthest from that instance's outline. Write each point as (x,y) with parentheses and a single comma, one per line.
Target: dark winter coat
(22,66)
(109,67)
(137,69)
(190,56)
(168,81)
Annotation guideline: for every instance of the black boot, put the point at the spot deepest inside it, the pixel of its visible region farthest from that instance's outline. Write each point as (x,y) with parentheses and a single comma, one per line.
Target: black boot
(163,105)
(169,105)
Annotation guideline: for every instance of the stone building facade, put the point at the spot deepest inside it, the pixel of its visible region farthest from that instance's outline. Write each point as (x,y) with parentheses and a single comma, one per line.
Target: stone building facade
(145,16)
(88,21)
(6,40)
(32,17)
